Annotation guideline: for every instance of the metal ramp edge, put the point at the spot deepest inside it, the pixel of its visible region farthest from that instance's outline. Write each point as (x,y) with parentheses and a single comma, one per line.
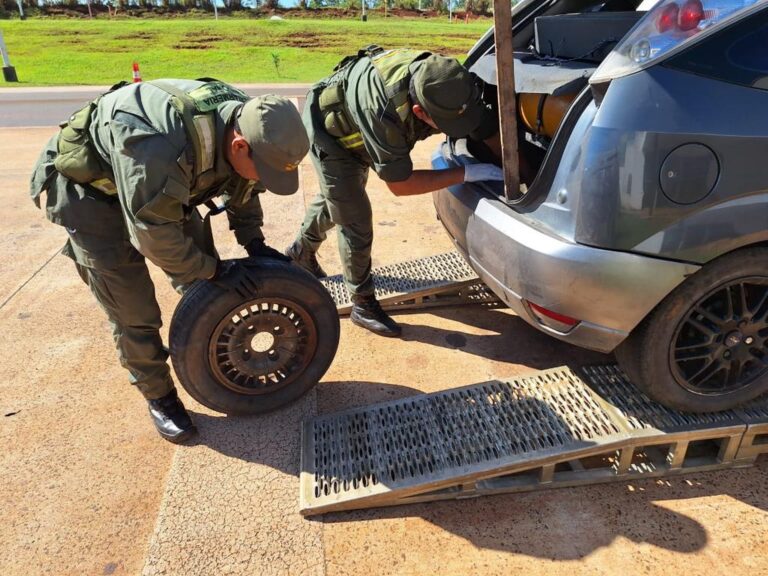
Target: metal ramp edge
(545,430)
(440,280)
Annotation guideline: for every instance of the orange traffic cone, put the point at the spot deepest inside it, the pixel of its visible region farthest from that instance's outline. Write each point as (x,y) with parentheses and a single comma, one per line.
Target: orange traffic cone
(136,73)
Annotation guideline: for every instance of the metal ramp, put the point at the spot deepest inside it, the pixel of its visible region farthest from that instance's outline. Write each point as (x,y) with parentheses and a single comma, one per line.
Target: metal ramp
(441,280)
(546,430)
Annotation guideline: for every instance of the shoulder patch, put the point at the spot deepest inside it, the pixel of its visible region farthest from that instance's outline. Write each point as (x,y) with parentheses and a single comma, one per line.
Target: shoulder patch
(208,96)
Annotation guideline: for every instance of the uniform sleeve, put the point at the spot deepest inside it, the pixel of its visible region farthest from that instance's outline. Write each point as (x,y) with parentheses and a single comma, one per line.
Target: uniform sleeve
(154,191)
(385,143)
(245,215)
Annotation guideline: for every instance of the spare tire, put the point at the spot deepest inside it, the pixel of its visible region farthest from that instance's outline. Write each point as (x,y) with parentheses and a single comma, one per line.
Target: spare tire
(256,340)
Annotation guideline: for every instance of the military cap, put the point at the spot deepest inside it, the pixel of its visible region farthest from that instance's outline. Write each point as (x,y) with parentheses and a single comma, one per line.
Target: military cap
(273,129)
(447,92)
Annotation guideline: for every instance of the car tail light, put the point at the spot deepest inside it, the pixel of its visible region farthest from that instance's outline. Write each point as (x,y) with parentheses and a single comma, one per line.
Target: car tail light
(552,319)
(667,18)
(670,26)
(691,15)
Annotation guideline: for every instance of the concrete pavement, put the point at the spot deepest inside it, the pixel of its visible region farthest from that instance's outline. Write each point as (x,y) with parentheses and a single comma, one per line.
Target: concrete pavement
(88,487)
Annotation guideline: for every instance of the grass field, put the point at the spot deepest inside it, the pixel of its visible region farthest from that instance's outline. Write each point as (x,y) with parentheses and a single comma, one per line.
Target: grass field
(58,52)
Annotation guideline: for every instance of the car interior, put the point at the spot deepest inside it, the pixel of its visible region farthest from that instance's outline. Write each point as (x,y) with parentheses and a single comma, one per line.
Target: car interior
(556,51)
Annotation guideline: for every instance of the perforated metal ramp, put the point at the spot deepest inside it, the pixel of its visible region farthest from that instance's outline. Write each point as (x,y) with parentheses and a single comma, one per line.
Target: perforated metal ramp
(545,430)
(441,280)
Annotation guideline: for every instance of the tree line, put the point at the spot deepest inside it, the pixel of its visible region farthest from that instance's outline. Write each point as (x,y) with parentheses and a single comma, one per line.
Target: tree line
(9,8)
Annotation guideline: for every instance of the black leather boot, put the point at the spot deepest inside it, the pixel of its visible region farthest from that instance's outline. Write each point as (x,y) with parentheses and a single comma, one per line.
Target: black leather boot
(305,258)
(171,419)
(367,313)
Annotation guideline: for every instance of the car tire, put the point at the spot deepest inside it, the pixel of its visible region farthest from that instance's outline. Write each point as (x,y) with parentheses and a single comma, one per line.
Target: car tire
(259,343)
(705,347)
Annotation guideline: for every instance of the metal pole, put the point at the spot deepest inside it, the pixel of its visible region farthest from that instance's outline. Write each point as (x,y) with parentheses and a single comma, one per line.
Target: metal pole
(363,16)
(21,10)
(215,9)
(9,72)
(505,78)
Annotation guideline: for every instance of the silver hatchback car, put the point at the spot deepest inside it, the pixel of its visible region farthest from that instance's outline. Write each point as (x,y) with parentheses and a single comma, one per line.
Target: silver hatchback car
(643,143)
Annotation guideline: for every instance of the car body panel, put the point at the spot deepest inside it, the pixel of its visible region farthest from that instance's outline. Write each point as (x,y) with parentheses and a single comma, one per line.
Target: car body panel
(610,292)
(649,177)
(626,150)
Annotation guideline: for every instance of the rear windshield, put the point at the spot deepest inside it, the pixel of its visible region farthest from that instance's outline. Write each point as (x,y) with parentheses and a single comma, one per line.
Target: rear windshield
(738,54)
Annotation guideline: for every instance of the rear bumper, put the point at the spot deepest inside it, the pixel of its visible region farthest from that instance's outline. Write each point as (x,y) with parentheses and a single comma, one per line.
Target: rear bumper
(609,292)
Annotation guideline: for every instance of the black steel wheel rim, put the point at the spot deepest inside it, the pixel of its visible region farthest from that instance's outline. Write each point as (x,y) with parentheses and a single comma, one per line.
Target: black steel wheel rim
(721,345)
(262,346)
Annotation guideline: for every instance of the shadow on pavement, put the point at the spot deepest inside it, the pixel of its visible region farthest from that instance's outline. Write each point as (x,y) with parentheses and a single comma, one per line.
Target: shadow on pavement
(511,340)
(274,439)
(337,396)
(270,440)
(572,523)
(557,524)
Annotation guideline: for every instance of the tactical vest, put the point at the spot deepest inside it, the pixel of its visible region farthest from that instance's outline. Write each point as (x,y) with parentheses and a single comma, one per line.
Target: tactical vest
(79,161)
(393,68)
(77,158)
(197,108)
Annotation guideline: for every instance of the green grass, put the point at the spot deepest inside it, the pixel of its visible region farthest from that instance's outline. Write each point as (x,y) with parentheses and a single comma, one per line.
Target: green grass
(60,52)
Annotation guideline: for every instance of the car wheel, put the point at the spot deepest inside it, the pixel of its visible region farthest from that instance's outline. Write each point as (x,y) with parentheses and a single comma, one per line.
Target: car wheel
(257,346)
(705,347)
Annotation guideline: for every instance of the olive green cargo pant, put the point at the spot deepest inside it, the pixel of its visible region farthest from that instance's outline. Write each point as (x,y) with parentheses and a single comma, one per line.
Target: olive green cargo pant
(342,202)
(118,277)
(113,269)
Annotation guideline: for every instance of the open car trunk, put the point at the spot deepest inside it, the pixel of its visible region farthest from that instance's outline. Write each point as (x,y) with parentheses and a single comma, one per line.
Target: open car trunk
(558,46)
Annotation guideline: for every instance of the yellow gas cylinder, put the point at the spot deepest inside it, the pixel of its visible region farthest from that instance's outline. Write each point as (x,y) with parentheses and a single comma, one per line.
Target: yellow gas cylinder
(543,118)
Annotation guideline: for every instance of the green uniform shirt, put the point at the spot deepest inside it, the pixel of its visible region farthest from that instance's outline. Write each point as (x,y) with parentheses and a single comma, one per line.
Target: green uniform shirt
(139,133)
(388,140)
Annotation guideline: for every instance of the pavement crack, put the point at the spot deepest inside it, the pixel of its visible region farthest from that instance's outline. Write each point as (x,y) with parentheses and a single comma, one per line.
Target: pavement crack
(28,280)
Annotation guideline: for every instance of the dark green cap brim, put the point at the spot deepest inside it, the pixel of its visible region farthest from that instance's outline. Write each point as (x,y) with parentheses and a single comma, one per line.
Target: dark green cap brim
(460,126)
(279,182)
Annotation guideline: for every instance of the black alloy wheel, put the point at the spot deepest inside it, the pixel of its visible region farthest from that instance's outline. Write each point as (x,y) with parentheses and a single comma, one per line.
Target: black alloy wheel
(704,348)
(722,344)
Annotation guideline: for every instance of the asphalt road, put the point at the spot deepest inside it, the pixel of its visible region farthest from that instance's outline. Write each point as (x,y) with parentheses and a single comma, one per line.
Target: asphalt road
(47,106)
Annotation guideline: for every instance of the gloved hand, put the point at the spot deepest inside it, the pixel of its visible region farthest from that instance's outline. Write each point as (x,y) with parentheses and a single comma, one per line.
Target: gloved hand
(256,248)
(482,172)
